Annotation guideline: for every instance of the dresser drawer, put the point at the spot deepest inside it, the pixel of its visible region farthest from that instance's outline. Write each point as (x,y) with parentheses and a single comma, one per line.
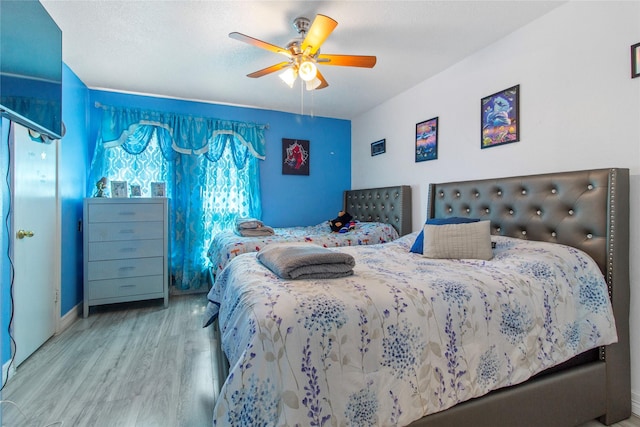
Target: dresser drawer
(108,231)
(123,249)
(117,212)
(118,288)
(121,268)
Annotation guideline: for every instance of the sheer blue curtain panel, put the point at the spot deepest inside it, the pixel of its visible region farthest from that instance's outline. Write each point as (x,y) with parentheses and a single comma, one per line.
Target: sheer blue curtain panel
(211,171)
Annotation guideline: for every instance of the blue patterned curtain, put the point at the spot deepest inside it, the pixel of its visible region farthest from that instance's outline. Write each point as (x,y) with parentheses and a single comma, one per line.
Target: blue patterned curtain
(211,171)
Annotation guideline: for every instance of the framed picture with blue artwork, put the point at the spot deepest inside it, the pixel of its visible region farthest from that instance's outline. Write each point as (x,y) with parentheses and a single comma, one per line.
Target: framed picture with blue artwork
(378,147)
(500,118)
(427,140)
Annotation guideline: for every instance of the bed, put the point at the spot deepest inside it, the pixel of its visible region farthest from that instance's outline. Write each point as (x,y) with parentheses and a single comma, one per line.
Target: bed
(314,366)
(381,215)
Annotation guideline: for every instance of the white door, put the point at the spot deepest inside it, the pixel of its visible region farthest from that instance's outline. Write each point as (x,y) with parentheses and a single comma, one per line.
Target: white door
(35,225)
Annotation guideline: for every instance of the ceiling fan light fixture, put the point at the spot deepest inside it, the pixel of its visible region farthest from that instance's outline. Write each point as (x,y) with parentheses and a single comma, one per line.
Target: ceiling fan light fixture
(313,84)
(289,76)
(304,55)
(307,71)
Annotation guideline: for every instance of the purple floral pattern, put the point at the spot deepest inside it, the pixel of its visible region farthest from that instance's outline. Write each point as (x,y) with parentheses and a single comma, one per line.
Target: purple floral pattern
(404,336)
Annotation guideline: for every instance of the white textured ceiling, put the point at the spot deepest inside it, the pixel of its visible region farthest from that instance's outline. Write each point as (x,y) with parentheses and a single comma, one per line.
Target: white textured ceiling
(181,49)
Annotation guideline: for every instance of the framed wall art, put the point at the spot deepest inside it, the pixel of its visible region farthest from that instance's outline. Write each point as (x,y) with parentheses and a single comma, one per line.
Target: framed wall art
(427,140)
(378,147)
(500,118)
(119,189)
(158,189)
(635,60)
(295,157)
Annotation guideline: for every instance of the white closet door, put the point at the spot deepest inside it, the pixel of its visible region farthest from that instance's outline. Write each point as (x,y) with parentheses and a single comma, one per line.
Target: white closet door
(36,248)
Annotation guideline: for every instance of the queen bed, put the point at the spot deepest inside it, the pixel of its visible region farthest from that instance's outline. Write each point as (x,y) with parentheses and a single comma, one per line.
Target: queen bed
(413,340)
(381,215)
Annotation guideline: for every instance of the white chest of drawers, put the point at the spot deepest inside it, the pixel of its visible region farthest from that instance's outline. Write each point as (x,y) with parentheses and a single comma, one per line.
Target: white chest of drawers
(125,250)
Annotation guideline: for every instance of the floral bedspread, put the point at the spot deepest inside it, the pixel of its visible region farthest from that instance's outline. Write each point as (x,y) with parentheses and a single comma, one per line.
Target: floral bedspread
(404,336)
(228,245)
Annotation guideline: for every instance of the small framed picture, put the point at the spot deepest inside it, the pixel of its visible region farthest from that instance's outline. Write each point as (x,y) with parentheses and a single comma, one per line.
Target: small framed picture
(378,147)
(295,156)
(635,60)
(158,189)
(118,188)
(427,140)
(500,118)
(135,191)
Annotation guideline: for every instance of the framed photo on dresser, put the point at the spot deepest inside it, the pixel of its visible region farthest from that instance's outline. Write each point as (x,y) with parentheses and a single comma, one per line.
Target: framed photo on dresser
(136,191)
(119,189)
(158,189)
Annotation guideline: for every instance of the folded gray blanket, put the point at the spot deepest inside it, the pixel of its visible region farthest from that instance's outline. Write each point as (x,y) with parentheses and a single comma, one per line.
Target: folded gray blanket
(243,223)
(264,230)
(305,261)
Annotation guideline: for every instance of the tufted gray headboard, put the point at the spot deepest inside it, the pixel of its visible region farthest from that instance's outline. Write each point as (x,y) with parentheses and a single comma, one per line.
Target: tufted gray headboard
(391,205)
(580,209)
(586,209)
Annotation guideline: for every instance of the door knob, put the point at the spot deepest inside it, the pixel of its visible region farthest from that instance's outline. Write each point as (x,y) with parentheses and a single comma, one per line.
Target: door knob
(21,234)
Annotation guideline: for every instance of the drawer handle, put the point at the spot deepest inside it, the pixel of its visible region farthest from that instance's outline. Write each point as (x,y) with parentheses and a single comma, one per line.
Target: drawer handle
(128,249)
(126,213)
(127,286)
(128,268)
(128,231)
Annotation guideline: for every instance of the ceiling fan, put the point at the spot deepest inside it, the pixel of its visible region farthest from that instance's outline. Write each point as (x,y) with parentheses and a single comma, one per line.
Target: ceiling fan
(303,53)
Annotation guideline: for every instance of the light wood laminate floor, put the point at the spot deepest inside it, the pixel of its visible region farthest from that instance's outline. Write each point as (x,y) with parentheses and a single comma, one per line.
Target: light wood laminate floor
(127,365)
(130,365)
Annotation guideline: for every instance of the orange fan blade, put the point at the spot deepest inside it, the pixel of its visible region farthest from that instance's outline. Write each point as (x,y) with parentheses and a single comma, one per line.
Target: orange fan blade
(318,32)
(259,43)
(347,60)
(269,70)
(323,82)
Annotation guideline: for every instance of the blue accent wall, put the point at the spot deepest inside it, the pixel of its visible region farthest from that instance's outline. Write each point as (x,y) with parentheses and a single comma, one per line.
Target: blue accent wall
(287,200)
(74,163)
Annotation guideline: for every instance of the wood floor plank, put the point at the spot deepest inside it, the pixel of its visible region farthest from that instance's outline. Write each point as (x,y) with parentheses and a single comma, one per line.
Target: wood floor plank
(130,365)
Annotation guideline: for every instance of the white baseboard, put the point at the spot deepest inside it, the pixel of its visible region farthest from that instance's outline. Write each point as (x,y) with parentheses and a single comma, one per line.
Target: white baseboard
(635,403)
(8,370)
(68,319)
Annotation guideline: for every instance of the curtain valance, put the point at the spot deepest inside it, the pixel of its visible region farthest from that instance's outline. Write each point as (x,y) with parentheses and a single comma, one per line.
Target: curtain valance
(185,134)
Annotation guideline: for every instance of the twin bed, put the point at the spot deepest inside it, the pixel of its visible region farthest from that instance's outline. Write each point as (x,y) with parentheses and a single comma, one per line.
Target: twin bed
(535,335)
(381,215)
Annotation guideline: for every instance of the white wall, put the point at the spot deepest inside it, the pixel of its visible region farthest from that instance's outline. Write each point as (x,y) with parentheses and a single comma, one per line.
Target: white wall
(579,109)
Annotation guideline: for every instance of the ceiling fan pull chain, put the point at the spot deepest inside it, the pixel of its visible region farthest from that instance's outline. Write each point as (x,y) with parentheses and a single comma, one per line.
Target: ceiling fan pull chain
(301,99)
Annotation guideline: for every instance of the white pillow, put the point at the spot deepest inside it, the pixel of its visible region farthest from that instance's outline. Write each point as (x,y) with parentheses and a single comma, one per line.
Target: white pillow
(458,241)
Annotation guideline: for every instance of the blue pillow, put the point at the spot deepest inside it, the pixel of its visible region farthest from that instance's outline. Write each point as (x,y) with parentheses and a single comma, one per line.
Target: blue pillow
(419,243)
